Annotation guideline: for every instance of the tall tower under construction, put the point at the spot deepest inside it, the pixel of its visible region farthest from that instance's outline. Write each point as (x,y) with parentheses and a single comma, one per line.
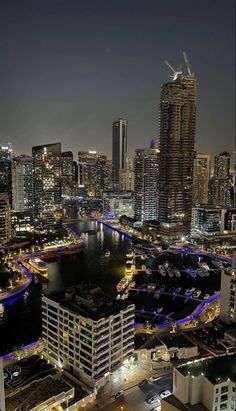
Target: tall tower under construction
(177,138)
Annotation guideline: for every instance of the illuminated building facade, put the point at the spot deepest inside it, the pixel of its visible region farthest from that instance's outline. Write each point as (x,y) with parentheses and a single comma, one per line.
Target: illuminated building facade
(177,138)
(118,203)
(87,333)
(221,184)
(201,176)
(93,173)
(6,171)
(47,186)
(67,167)
(5,219)
(127,176)
(22,183)
(146,173)
(119,150)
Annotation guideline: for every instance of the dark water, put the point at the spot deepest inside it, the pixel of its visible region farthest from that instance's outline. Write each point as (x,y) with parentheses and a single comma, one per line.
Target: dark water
(20,319)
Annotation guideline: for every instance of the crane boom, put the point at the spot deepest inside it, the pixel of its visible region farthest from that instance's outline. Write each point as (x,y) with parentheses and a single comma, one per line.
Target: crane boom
(187,63)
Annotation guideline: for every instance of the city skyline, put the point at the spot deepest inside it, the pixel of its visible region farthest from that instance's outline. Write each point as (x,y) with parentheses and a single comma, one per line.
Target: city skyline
(49,98)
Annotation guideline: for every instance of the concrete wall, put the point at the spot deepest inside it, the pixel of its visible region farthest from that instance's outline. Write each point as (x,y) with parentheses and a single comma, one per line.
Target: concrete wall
(181,386)
(195,390)
(208,394)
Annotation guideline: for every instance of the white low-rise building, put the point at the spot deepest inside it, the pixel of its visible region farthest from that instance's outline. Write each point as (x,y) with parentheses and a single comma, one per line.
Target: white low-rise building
(207,384)
(87,333)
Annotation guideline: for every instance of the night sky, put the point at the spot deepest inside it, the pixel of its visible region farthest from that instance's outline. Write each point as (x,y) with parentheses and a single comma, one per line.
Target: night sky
(69,68)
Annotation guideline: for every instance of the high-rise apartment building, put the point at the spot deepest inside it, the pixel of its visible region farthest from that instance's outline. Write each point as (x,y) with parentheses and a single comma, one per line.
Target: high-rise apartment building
(93,172)
(127,176)
(6,171)
(119,150)
(222,165)
(101,176)
(201,176)
(47,186)
(67,168)
(87,333)
(177,138)
(22,183)
(221,183)
(146,174)
(87,170)
(228,294)
(5,219)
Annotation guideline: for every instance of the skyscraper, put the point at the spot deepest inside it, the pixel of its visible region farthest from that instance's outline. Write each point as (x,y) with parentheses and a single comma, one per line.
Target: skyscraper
(222,165)
(6,171)
(222,182)
(119,150)
(101,176)
(47,186)
(87,170)
(127,176)
(67,173)
(228,293)
(22,183)
(146,173)
(177,137)
(201,176)
(5,219)
(93,172)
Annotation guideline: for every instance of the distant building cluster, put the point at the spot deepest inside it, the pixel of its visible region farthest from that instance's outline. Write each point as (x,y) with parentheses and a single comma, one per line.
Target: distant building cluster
(167,185)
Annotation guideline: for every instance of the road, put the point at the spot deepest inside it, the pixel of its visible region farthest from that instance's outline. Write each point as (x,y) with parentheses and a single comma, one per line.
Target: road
(135,398)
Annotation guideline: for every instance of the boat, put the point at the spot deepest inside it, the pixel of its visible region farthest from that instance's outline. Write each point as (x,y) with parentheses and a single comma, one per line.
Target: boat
(107,253)
(204,266)
(170,272)
(176,272)
(128,267)
(130,254)
(73,249)
(122,285)
(217,263)
(197,294)
(39,265)
(162,270)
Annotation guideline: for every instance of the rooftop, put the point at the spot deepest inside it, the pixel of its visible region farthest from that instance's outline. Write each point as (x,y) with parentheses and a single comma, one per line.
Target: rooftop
(172,400)
(178,340)
(88,300)
(36,393)
(215,369)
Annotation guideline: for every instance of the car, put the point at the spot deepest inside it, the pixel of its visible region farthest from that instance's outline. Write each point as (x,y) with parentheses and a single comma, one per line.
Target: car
(154,378)
(143,382)
(119,394)
(165,394)
(153,399)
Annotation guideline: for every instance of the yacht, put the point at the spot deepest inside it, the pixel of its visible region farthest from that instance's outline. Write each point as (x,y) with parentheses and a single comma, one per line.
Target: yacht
(122,285)
(197,294)
(162,270)
(39,265)
(204,266)
(107,253)
(130,254)
(176,272)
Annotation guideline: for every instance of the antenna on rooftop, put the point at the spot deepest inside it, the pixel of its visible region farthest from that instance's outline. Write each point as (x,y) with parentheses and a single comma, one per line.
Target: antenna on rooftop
(176,73)
(187,63)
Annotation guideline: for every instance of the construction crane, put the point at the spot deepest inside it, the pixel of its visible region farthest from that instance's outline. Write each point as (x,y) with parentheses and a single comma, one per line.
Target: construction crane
(176,73)
(187,63)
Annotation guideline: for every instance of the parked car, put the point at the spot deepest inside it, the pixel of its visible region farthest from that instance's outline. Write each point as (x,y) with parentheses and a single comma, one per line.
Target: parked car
(119,394)
(165,394)
(153,399)
(143,382)
(154,378)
